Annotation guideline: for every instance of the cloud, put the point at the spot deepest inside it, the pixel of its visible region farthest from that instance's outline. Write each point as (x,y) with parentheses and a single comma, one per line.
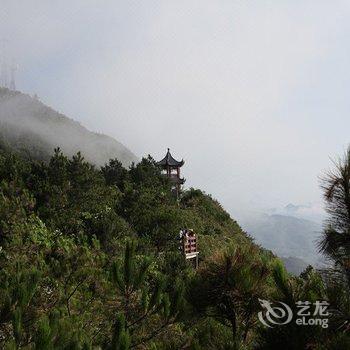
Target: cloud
(232,86)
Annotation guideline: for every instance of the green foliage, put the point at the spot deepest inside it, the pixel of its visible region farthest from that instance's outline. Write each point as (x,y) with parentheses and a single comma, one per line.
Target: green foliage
(89,259)
(228,288)
(120,338)
(336,236)
(115,174)
(144,298)
(43,339)
(308,287)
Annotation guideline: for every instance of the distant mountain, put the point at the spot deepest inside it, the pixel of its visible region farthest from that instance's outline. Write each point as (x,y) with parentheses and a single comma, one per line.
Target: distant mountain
(295,265)
(286,236)
(34,129)
(310,211)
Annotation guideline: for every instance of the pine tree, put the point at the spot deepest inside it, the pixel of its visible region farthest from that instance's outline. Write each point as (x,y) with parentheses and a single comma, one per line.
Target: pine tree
(148,308)
(336,237)
(228,287)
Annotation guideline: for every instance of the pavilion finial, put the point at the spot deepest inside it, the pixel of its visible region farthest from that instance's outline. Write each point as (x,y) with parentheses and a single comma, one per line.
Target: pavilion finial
(168,149)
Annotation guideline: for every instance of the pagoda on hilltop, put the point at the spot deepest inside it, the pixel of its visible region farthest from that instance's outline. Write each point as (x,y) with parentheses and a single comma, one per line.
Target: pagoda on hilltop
(171,169)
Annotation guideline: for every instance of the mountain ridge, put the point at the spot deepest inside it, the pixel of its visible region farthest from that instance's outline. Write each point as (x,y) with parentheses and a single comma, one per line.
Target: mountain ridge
(287,236)
(34,129)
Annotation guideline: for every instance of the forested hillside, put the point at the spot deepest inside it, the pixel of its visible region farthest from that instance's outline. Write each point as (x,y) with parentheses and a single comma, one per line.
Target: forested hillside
(89,259)
(33,129)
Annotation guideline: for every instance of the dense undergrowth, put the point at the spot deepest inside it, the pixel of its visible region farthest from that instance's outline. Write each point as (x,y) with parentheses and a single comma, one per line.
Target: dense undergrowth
(89,258)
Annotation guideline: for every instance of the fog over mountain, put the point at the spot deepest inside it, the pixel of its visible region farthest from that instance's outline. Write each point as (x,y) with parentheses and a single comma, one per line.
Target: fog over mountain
(295,265)
(246,92)
(34,129)
(287,236)
(313,212)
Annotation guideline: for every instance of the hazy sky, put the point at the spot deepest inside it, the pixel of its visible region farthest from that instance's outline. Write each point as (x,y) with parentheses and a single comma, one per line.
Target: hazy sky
(253,94)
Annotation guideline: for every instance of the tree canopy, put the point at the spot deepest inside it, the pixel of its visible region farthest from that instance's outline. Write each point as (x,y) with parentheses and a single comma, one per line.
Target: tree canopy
(89,259)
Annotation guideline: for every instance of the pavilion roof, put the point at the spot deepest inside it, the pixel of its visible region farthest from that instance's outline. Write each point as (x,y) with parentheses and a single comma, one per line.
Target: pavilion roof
(169,160)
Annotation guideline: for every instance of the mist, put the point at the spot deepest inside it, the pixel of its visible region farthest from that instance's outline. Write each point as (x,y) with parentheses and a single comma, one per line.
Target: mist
(35,130)
(253,95)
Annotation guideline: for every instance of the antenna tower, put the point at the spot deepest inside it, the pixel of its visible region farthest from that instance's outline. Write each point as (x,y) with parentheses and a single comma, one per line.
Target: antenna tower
(13,70)
(4,78)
